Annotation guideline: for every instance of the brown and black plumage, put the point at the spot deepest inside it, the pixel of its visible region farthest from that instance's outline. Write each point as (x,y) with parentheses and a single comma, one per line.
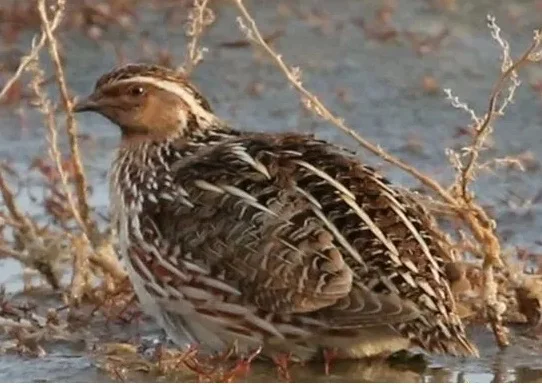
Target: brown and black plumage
(276,240)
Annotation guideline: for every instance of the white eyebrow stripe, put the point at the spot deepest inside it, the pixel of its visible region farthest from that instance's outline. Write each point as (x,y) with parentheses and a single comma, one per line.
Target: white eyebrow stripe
(176,89)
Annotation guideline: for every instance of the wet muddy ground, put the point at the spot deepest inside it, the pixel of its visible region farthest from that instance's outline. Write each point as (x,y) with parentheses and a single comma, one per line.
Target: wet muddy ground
(385,83)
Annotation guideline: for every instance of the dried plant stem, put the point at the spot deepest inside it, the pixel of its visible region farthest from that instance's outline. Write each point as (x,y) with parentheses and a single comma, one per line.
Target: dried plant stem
(15,324)
(483,130)
(482,225)
(89,247)
(33,55)
(71,127)
(105,257)
(313,103)
(81,273)
(6,251)
(9,220)
(9,201)
(200,17)
(46,108)
(30,245)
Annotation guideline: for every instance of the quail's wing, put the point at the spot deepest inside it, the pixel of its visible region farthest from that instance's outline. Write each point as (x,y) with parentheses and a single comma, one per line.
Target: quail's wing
(259,237)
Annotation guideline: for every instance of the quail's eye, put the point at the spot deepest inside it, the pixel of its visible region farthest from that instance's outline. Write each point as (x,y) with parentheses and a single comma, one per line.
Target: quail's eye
(136,91)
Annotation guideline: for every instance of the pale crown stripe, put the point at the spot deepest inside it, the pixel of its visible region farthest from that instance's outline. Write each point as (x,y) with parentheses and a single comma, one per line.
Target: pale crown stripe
(176,89)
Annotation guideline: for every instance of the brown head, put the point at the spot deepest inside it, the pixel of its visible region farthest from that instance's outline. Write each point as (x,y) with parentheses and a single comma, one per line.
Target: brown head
(148,101)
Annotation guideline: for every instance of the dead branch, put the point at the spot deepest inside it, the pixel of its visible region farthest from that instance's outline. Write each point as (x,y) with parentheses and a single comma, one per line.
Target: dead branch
(9,201)
(9,252)
(483,126)
(32,55)
(71,126)
(46,108)
(199,18)
(293,74)
(88,247)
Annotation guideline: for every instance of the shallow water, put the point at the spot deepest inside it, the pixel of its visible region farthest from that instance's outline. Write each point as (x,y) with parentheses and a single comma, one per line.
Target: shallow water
(375,86)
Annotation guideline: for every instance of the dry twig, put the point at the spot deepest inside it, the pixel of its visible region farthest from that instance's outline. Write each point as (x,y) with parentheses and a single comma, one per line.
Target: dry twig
(71,126)
(32,55)
(41,248)
(24,223)
(80,212)
(199,18)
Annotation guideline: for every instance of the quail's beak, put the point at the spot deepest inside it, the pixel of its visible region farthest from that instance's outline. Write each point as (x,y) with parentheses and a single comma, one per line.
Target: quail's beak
(86,104)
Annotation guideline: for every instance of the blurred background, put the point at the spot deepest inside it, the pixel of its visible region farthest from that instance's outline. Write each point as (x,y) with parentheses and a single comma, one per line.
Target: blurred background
(381,65)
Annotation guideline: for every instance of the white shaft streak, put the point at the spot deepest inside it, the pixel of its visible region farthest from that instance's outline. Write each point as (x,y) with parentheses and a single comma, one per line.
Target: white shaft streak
(234,191)
(241,153)
(399,209)
(318,172)
(394,253)
(349,198)
(338,235)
